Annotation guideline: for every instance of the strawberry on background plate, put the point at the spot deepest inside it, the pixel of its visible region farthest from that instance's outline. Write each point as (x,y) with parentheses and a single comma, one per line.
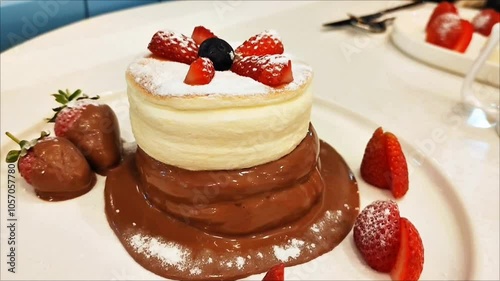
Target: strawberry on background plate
(484,21)
(442,8)
(201,72)
(451,32)
(410,260)
(91,126)
(53,166)
(384,164)
(377,234)
(276,273)
(264,43)
(173,46)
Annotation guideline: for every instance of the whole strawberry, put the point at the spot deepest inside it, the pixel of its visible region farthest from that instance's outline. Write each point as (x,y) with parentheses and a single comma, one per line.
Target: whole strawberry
(377,234)
(91,126)
(53,166)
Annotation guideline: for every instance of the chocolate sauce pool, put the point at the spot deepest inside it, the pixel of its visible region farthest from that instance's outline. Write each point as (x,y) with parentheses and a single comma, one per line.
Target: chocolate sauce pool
(189,248)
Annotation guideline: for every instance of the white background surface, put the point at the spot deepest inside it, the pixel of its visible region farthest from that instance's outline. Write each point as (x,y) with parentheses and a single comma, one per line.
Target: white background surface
(363,73)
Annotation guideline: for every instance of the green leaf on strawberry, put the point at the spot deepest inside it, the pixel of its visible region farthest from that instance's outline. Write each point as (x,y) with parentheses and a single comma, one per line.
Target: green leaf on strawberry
(25,145)
(12,156)
(64,98)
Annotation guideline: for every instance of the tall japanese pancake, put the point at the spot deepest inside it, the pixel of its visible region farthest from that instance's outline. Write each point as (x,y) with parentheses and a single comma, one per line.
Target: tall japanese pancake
(229,176)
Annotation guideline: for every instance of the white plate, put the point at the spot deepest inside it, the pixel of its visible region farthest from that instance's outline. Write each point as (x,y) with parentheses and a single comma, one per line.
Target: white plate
(409,35)
(72,239)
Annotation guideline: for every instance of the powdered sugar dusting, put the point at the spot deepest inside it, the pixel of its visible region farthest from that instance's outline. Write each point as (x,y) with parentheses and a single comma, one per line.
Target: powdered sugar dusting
(481,20)
(240,262)
(450,21)
(179,38)
(271,33)
(373,221)
(166,78)
(80,104)
(195,271)
(166,252)
(289,251)
(325,223)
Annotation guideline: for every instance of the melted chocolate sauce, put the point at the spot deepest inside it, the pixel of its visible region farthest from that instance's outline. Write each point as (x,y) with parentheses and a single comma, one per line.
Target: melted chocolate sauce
(179,247)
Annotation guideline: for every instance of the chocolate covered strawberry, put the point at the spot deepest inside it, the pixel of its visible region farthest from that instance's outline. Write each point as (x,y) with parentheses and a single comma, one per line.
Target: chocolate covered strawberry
(384,164)
(276,273)
(377,234)
(92,127)
(53,166)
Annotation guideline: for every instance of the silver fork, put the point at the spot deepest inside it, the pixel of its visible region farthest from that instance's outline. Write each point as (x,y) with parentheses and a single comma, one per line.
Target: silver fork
(371,26)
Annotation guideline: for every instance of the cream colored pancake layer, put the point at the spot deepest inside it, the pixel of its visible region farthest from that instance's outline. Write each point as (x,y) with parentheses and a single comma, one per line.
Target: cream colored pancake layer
(232,123)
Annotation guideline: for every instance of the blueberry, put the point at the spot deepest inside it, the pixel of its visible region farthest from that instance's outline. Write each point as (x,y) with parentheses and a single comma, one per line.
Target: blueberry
(218,51)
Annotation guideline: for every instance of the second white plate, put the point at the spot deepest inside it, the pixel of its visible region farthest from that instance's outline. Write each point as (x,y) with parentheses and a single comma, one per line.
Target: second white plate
(408,35)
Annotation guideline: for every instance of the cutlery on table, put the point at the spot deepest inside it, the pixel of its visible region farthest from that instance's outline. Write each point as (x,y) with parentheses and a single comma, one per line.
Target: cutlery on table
(371,17)
(379,26)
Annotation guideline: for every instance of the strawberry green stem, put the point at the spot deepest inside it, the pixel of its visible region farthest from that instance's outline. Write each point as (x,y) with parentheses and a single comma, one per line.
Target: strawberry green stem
(13,138)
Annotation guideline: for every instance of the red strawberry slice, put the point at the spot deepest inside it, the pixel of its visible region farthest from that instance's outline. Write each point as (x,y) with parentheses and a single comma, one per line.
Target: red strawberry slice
(384,164)
(374,167)
(265,43)
(451,32)
(276,273)
(410,260)
(271,70)
(442,8)
(173,46)
(485,20)
(398,169)
(377,234)
(201,33)
(200,72)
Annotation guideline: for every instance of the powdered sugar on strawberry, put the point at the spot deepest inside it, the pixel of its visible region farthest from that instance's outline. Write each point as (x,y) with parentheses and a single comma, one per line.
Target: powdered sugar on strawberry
(376,234)
(166,78)
(68,115)
(264,43)
(450,21)
(173,46)
(182,40)
(481,20)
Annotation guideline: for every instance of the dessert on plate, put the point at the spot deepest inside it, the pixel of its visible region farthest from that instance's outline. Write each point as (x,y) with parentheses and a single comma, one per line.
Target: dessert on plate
(229,176)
